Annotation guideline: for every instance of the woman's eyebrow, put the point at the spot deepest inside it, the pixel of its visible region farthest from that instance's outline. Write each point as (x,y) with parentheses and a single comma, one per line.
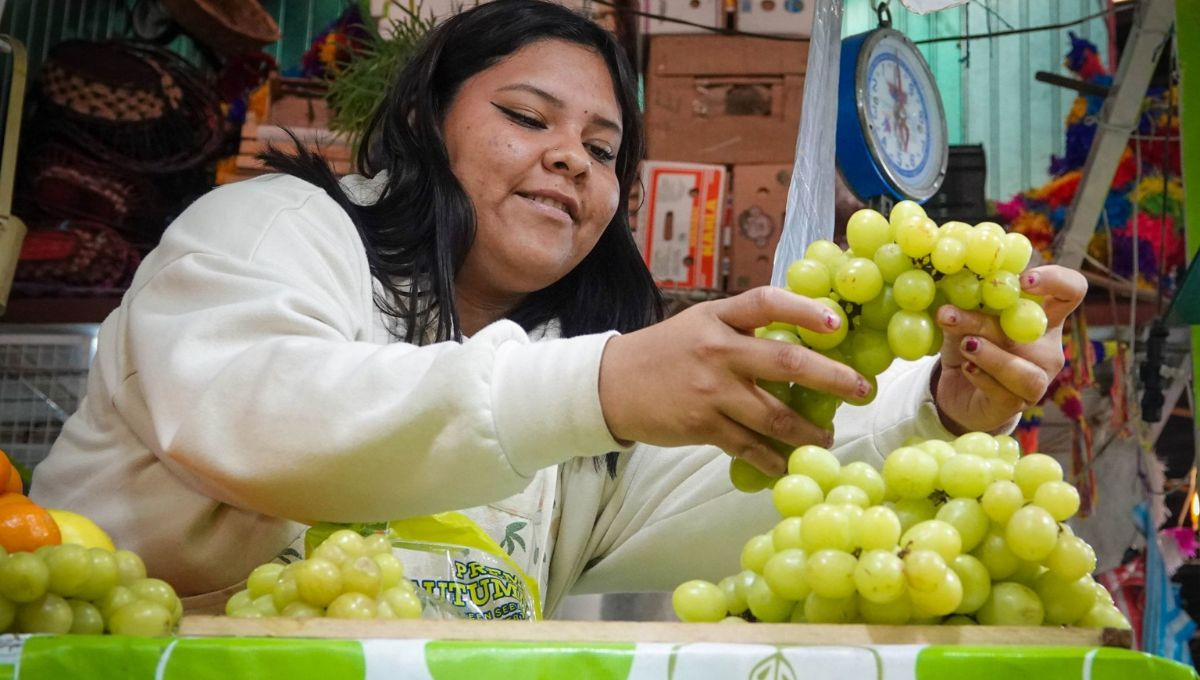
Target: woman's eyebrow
(559,104)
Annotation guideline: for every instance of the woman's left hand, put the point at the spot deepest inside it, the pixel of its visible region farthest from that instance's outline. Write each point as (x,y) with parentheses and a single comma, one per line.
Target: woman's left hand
(986,379)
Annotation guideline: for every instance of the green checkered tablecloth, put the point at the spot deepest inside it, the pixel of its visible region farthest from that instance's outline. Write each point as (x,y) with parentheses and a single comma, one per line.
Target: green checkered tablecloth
(203,658)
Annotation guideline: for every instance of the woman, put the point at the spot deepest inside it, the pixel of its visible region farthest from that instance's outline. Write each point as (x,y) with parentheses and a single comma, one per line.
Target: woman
(472,327)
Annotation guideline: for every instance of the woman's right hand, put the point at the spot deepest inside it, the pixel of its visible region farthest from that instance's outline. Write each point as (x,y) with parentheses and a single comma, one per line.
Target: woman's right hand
(691,378)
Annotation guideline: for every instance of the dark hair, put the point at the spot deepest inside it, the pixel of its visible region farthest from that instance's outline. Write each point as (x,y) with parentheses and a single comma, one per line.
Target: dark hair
(418,233)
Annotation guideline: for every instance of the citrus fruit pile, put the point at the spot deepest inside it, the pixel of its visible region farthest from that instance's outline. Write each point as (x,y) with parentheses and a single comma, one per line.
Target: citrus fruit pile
(963,532)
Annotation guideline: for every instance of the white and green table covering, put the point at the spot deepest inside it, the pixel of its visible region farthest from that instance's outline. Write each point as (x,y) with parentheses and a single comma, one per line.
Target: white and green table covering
(216,658)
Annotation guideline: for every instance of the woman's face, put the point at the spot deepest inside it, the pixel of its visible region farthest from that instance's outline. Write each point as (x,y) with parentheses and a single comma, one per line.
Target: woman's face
(533,140)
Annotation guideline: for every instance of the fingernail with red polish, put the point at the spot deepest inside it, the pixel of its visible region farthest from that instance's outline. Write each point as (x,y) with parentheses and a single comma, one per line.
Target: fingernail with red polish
(1030,279)
(970,368)
(863,389)
(832,321)
(971,345)
(951,318)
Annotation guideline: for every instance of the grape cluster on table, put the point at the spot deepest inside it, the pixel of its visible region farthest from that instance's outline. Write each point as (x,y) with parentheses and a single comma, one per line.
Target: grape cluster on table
(886,288)
(964,532)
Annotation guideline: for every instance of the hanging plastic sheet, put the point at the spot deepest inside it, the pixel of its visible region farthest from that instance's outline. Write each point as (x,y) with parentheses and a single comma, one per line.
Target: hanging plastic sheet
(1166,627)
(809,215)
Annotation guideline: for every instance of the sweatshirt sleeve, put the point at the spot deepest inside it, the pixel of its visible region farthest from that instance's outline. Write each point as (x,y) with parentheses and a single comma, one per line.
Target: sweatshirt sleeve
(675,516)
(254,372)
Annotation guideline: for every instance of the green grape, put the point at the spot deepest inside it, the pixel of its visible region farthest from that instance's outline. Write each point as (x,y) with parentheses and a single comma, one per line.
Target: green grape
(867,352)
(765,605)
(8,613)
(403,601)
(830,573)
(102,577)
(878,311)
(995,554)
(795,494)
(120,596)
(964,476)
(924,569)
(817,408)
(747,478)
(361,575)
(69,567)
(960,620)
(892,262)
(391,569)
(285,591)
(967,517)
(916,236)
(866,230)
(85,618)
(904,210)
(303,610)
(154,590)
(1000,290)
(910,334)
(331,553)
(262,580)
(936,535)
(786,534)
(963,290)
(914,290)
(819,609)
(846,494)
(49,613)
(237,602)
(878,528)
(910,472)
(130,567)
(940,450)
(809,278)
(954,229)
(1071,558)
(1059,498)
(816,462)
(1033,470)
(354,605)
(865,477)
(318,581)
(23,577)
(377,544)
(786,573)
(780,335)
(756,552)
(1001,499)
(894,613)
(910,511)
(773,326)
(1031,533)
(879,576)
(1011,604)
(827,340)
(1102,594)
(826,252)
(858,280)
(264,605)
(735,619)
(949,254)
(940,600)
(1017,251)
(935,345)
(985,251)
(826,526)
(1000,470)
(1010,449)
(140,617)
(1104,616)
(976,583)
(1025,321)
(1065,600)
(351,542)
(735,600)
(979,444)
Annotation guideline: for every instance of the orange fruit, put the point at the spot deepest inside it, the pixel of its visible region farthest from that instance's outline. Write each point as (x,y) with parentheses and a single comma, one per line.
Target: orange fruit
(25,526)
(10,479)
(10,498)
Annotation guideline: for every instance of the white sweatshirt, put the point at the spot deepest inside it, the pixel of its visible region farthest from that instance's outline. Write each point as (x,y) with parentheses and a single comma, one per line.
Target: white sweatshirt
(247,382)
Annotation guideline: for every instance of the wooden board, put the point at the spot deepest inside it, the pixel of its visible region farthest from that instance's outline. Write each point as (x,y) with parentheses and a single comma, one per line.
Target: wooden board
(628,631)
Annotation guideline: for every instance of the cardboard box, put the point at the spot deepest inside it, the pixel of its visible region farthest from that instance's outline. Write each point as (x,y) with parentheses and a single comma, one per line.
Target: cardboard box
(724,99)
(679,223)
(759,201)
(776,17)
(706,13)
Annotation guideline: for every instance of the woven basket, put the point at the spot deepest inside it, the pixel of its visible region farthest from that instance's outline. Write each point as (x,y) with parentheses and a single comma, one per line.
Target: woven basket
(230,27)
(66,183)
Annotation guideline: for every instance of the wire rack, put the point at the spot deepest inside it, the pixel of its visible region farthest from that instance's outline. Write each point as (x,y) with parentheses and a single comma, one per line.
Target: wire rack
(43,376)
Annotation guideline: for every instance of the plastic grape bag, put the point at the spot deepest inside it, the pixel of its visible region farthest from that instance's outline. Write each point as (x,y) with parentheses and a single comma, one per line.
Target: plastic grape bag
(810,214)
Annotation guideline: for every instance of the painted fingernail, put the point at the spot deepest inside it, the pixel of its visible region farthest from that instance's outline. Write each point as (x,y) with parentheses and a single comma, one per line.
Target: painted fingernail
(832,321)
(1030,279)
(970,368)
(951,317)
(863,388)
(971,345)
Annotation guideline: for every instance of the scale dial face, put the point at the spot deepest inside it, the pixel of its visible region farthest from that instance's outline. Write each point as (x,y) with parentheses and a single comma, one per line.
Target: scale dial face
(901,114)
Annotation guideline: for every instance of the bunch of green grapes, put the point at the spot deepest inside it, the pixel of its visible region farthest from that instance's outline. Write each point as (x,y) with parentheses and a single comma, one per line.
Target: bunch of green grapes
(348,576)
(68,588)
(886,290)
(963,532)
